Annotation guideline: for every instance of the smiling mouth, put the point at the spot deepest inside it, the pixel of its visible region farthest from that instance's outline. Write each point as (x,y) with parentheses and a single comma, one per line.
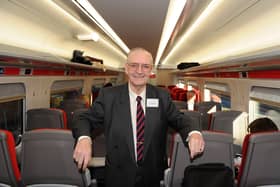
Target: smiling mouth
(139,76)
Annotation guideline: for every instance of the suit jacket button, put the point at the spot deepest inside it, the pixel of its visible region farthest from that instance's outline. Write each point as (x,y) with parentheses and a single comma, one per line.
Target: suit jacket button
(116,146)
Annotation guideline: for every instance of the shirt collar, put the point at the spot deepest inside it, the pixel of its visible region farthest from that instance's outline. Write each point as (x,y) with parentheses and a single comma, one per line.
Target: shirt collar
(134,95)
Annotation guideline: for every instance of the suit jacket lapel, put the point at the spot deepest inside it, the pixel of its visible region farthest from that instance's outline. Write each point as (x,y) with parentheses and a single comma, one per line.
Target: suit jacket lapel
(150,119)
(125,110)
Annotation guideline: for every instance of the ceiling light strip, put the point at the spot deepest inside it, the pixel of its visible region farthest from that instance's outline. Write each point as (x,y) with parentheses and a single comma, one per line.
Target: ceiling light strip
(90,11)
(175,9)
(208,10)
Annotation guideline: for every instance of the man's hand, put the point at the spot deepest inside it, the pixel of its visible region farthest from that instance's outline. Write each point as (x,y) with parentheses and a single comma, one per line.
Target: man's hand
(82,153)
(196,144)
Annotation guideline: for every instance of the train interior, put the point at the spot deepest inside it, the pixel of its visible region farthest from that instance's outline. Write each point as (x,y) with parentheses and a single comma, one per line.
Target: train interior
(220,63)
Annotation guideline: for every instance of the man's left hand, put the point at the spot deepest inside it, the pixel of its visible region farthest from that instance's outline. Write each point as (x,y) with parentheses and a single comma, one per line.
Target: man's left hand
(196,144)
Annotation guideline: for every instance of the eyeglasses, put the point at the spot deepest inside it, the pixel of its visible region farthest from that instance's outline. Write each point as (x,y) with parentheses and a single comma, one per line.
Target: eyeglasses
(135,66)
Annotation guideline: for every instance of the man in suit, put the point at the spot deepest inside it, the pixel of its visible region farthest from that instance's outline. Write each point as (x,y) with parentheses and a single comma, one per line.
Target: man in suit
(115,110)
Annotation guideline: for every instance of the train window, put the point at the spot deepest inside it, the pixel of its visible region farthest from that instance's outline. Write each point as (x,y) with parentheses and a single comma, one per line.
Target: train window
(57,98)
(218,92)
(265,102)
(12,107)
(61,90)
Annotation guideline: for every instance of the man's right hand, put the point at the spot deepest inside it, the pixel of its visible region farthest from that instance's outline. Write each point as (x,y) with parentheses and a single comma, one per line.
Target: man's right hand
(82,152)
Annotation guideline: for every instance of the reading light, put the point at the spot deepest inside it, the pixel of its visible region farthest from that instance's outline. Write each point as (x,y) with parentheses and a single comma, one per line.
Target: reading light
(90,11)
(93,36)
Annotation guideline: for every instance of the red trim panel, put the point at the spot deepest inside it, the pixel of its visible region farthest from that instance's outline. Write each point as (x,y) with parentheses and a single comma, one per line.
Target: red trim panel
(11,71)
(229,74)
(266,74)
(47,72)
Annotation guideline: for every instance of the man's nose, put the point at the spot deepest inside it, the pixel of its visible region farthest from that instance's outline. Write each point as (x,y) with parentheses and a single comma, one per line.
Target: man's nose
(139,68)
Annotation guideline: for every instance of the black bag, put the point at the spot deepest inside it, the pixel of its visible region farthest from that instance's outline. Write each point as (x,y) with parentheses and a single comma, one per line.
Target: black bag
(185,65)
(208,175)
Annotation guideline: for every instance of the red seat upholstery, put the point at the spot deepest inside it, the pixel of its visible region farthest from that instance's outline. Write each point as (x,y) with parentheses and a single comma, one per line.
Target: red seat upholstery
(182,95)
(170,87)
(9,171)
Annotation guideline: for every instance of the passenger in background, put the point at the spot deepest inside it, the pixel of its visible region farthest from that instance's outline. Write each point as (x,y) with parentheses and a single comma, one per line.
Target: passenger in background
(262,124)
(258,125)
(135,117)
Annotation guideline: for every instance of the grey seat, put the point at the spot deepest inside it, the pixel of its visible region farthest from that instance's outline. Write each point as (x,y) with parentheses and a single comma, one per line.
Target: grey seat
(224,120)
(9,171)
(218,149)
(46,118)
(233,122)
(205,108)
(97,163)
(260,164)
(69,106)
(180,104)
(195,116)
(47,159)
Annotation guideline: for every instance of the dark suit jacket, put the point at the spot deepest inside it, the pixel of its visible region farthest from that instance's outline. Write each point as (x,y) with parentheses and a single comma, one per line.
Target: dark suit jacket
(111,111)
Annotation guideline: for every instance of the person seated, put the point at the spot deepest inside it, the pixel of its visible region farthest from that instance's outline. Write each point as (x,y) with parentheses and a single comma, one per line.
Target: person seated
(258,125)
(261,125)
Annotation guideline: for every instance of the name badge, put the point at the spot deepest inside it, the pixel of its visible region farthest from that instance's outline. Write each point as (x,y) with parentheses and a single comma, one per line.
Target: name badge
(152,102)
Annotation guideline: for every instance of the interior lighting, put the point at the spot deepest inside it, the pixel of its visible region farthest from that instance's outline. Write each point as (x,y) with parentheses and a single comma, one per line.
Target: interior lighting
(93,36)
(90,11)
(203,16)
(175,9)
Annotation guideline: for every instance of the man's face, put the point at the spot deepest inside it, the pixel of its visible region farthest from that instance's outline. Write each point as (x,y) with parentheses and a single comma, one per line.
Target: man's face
(138,68)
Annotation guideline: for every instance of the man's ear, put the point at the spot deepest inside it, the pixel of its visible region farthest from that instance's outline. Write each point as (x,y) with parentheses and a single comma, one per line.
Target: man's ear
(125,68)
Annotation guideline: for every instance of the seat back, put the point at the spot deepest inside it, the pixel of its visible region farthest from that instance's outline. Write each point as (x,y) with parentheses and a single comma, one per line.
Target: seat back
(3,119)
(9,171)
(47,158)
(218,149)
(233,122)
(223,120)
(46,118)
(180,104)
(260,160)
(69,106)
(206,108)
(195,116)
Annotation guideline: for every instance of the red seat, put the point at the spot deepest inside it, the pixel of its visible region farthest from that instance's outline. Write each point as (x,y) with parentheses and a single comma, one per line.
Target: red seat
(9,170)
(182,95)
(170,87)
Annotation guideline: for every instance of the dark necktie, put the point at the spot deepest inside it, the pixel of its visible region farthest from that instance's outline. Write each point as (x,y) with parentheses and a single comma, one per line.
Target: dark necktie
(140,123)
